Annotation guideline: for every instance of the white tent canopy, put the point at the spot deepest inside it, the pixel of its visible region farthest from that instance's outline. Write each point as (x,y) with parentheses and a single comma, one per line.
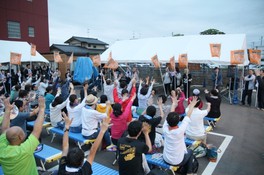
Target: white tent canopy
(18,47)
(197,48)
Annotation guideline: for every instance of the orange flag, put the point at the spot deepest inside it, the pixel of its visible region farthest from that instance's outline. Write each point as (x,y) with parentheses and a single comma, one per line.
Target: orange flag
(172,63)
(155,61)
(237,56)
(215,50)
(109,56)
(57,57)
(96,60)
(15,58)
(183,60)
(33,49)
(254,56)
(70,60)
(111,64)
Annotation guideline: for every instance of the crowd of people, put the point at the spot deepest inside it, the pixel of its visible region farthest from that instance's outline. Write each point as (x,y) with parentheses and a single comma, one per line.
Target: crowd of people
(41,93)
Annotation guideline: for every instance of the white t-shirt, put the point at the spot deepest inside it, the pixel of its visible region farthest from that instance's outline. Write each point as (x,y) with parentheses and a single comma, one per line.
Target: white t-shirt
(108,91)
(196,127)
(75,113)
(174,144)
(55,113)
(90,119)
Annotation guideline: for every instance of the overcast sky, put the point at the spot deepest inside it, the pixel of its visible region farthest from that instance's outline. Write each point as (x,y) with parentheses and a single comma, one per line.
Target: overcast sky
(112,20)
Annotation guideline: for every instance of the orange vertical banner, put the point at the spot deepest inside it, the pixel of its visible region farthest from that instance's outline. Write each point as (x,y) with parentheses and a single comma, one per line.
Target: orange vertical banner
(15,58)
(215,50)
(111,64)
(70,60)
(237,56)
(33,50)
(57,57)
(155,61)
(254,56)
(183,60)
(172,63)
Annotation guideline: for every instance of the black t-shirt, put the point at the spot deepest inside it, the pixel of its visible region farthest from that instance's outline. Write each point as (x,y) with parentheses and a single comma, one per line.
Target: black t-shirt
(154,122)
(130,156)
(86,169)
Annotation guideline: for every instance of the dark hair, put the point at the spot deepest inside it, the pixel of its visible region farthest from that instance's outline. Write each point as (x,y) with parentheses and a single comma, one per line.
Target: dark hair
(214,92)
(103,99)
(22,93)
(42,78)
(123,84)
(177,69)
(33,86)
(151,111)
(19,103)
(173,119)
(117,109)
(58,100)
(28,87)
(144,90)
(85,82)
(134,128)
(108,81)
(75,157)
(198,102)
(49,88)
(17,87)
(124,91)
(72,99)
(163,97)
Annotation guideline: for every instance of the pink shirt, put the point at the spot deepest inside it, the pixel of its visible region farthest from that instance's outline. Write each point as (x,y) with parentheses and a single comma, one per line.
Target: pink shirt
(180,108)
(120,122)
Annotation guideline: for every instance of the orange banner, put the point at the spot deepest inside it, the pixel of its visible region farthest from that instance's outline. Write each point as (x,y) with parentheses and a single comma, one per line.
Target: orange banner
(70,60)
(172,63)
(109,56)
(155,61)
(57,57)
(254,56)
(33,50)
(215,50)
(237,56)
(183,61)
(15,58)
(111,64)
(96,60)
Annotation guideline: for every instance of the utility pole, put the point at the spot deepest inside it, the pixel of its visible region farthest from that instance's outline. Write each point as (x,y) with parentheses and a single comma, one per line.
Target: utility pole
(261,38)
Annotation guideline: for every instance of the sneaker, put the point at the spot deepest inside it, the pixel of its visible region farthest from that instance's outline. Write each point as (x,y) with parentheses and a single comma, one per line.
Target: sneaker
(111,148)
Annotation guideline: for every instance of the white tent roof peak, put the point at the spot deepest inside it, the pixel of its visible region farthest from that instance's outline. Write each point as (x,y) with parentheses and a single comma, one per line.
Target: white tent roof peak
(197,48)
(18,47)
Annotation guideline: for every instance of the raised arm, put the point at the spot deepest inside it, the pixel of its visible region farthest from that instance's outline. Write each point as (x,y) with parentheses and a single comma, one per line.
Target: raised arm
(146,131)
(208,107)
(159,102)
(65,141)
(6,120)
(104,128)
(39,122)
(174,101)
(191,106)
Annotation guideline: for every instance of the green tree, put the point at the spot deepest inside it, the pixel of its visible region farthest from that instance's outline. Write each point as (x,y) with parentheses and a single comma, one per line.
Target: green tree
(211,32)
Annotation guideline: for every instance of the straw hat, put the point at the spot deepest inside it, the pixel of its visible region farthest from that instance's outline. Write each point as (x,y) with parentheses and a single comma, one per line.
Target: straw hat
(14,112)
(91,99)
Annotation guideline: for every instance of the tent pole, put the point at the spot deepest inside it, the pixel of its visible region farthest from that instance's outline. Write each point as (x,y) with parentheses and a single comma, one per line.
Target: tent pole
(162,81)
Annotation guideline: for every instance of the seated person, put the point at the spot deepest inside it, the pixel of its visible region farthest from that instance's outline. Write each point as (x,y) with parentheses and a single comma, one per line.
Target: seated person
(91,118)
(181,98)
(175,151)
(16,152)
(196,93)
(215,100)
(101,107)
(144,94)
(153,121)
(75,110)
(131,151)
(72,160)
(195,129)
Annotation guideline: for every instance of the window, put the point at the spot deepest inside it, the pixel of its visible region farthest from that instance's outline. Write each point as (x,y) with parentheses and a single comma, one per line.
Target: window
(89,45)
(31,31)
(13,29)
(94,46)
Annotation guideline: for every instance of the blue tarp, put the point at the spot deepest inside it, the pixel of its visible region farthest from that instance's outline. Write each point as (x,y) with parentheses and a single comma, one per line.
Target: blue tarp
(84,69)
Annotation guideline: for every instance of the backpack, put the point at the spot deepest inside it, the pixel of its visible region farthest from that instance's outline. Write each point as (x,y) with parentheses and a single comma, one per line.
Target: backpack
(183,169)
